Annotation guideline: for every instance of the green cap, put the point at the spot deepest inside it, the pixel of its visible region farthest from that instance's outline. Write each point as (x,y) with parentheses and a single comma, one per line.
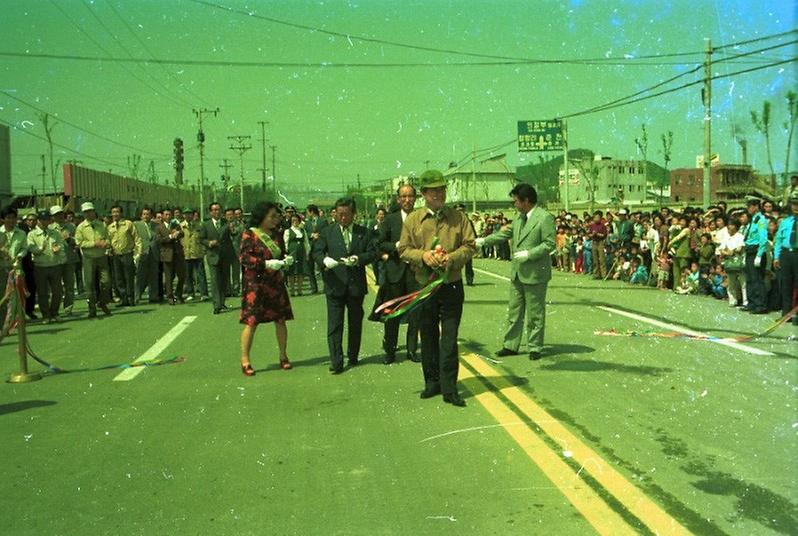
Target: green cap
(432,178)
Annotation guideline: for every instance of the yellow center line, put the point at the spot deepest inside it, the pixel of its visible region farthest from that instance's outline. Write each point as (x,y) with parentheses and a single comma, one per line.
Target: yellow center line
(592,507)
(654,517)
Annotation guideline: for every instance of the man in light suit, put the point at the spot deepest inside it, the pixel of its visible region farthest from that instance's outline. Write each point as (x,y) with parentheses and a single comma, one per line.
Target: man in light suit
(532,236)
(342,252)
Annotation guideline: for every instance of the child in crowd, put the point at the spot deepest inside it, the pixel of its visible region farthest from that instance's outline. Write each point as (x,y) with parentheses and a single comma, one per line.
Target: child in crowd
(562,250)
(719,283)
(587,254)
(690,280)
(639,273)
(706,251)
(578,264)
(663,271)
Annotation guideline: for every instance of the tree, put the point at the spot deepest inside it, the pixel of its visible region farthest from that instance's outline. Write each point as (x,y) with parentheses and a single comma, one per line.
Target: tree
(667,143)
(789,126)
(642,145)
(589,172)
(762,124)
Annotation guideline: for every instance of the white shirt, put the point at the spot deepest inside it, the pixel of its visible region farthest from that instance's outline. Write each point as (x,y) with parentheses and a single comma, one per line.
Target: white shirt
(404,215)
(731,243)
(721,235)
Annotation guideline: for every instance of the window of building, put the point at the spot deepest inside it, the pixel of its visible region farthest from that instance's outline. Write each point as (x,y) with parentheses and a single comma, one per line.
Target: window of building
(678,182)
(690,180)
(631,188)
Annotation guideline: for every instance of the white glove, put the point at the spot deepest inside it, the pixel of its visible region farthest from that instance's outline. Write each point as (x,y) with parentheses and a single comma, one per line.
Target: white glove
(289,260)
(397,244)
(757,261)
(330,263)
(479,242)
(274,264)
(521,255)
(350,261)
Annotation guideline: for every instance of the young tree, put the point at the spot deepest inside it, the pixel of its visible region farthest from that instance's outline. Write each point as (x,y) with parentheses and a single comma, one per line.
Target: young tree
(762,124)
(48,130)
(667,143)
(789,126)
(642,145)
(589,172)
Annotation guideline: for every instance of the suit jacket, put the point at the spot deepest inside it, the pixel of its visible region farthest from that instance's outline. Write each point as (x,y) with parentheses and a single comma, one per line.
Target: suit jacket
(396,270)
(536,236)
(221,251)
(343,280)
(149,241)
(170,247)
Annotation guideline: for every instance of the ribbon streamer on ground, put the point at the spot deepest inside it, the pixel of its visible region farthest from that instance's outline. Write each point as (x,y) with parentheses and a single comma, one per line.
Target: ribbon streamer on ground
(675,334)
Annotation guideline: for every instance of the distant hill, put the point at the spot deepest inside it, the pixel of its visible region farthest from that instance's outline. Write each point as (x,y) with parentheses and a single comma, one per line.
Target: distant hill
(544,174)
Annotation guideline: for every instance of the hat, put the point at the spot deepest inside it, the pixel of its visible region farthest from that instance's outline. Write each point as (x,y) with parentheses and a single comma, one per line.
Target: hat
(188,210)
(432,178)
(623,212)
(55,209)
(794,196)
(44,215)
(88,205)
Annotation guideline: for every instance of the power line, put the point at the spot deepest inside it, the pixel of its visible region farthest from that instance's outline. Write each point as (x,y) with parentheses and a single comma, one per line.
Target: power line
(103,49)
(130,55)
(756,40)
(78,127)
(677,88)
(150,53)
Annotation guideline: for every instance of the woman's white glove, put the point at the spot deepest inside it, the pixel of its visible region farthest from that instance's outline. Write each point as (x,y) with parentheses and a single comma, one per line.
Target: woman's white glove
(274,264)
(289,260)
(330,263)
(350,261)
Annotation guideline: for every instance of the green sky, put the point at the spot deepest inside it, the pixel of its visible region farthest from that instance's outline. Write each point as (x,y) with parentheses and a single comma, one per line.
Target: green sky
(330,124)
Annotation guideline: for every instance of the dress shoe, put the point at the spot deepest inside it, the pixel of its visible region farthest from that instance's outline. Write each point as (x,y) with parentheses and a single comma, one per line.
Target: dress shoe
(353,362)
(455,400)
(336,370)
(534,356)
(504,352)
(217,311)
(389,358)
(105,309)
(224,308)
(412,356)
(430,391)
(247,370)
(92,314)
(759,312)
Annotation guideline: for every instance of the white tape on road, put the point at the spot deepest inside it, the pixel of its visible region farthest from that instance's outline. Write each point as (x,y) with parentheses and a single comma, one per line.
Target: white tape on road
(155,350)
(497,276)
(685,331)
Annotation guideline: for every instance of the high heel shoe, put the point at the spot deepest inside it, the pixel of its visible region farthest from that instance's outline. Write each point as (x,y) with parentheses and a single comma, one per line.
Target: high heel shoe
(285,364)
(248,370)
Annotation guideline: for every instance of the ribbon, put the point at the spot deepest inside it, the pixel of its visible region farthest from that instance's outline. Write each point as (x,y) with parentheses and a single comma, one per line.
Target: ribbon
(675,334)
(274,249)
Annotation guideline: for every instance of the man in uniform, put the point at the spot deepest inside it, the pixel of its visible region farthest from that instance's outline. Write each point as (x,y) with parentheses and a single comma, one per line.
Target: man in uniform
(785,255)
(399,277)
(92,238)
(49,262)
(756,241)
(440,316)
(67,231)
(125,244)
(532,236)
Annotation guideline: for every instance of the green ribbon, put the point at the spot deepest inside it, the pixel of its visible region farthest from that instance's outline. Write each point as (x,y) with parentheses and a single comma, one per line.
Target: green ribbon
(268,242)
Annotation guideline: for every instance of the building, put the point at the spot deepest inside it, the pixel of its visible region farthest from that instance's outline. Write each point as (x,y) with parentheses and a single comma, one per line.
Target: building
(611,181)
(484,183)
(728,182)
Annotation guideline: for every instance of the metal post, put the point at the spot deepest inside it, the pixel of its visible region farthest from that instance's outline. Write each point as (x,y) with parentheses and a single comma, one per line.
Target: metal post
(201,140)
(473,178)
(241,148)
(565,163)
(23,376)
(274,170)
(707,122)
(263,153)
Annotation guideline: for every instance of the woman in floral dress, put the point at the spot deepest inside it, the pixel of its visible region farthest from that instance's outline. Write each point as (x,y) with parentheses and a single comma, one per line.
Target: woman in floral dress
(264,297)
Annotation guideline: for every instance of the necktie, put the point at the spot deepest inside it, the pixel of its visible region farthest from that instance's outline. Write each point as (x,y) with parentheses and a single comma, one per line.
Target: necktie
(523,220)
(794,233)
(439,215)
(346,237)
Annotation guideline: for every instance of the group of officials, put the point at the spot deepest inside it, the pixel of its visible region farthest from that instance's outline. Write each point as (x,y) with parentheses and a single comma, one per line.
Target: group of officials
(417,246)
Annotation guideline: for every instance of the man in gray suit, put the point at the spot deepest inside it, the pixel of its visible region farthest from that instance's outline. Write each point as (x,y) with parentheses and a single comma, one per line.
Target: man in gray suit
(148,258)
(532,236)
(214,235)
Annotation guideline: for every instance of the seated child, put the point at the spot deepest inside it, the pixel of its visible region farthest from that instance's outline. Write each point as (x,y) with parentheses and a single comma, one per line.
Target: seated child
(639,273)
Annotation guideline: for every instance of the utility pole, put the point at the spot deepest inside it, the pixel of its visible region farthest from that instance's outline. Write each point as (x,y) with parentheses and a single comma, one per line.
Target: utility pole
(565,162)
(226,167)
(707,94)
(263,152)
(44,176)
(274,170)
(201,141)
(473,177)
(242,147)
(48,130)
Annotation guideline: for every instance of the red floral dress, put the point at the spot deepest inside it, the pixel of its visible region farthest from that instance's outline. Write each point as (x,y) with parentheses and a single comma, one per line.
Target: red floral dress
(264,297)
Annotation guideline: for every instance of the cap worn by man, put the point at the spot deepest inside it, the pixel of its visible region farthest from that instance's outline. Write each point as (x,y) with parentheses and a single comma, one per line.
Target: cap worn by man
(43,215)
(55,209)
(623,212)
(88,205)
(432,178)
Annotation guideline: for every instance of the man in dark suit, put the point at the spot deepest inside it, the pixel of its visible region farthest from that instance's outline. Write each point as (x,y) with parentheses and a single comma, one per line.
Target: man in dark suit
(148,258)
(215,237)
(169,234)
(313,227)
(342,252)
(399,277)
